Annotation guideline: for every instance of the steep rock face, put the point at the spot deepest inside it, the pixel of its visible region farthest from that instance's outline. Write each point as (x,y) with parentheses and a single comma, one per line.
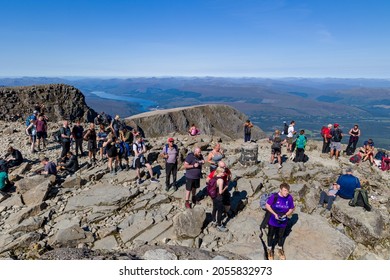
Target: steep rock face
(213,119)
(61,102)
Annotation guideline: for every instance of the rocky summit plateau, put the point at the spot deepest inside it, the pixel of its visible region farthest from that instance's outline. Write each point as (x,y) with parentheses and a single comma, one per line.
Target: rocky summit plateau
(97,215)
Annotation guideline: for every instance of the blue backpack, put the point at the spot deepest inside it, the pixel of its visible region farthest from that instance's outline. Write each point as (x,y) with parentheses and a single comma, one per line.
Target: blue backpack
(301,141)
(29,119)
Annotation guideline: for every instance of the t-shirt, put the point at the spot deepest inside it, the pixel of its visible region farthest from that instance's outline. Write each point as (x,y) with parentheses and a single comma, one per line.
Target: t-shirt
(3,179)
(41,125)
(172,154)
(281,207)
(65,131)
(290,131)
(348,183)
(102,134)
(195,172)
(77,131)
(51,168)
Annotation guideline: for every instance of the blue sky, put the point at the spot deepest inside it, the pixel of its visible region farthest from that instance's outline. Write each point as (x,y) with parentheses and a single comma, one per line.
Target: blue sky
(233,38)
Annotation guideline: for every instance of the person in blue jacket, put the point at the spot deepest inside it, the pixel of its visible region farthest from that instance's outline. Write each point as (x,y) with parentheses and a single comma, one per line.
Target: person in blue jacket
(348,183)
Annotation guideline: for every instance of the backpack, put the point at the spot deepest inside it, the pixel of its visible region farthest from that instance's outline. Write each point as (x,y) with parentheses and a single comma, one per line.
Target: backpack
(57,136)
(174,146)
(285,129)
(380,154)
(336,135)
(385,164)
(360,198)
(29,119)
(264,197)
(355,159)
(211,188)
(323,129)
(301,141)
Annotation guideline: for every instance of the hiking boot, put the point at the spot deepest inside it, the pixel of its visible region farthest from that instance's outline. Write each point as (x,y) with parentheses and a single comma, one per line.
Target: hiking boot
(222,228)
(213,224)
(154,180)
(175,187)
(195,201)
(270,254)
(281,255)
(166,188)
(139,181)
(280,166)
(188,204)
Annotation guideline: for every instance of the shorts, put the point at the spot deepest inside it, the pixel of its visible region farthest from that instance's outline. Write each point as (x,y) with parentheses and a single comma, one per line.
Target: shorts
(91,146)
(276,151)
(33,138)
(41,134)
(289,140)
(139,162)
(192,184)
(335,146)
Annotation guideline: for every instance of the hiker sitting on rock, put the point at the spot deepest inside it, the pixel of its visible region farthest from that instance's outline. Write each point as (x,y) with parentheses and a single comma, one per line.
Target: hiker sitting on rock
(49,168)
(193,131)
(367,151)
(348,183)
(5,184)
(69,163)
(329,196)
(13,157)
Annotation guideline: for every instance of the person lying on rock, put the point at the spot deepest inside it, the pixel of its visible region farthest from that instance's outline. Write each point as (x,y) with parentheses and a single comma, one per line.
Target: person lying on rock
(329,196)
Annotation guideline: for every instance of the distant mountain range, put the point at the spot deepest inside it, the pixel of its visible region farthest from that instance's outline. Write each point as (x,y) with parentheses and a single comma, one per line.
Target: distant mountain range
(311,102)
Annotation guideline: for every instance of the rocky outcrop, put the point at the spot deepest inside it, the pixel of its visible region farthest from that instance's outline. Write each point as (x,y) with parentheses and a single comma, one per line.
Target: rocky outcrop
(61,102)
(214,120)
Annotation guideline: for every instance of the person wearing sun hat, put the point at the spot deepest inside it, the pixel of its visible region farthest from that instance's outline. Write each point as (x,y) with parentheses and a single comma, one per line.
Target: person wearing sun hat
(170,153)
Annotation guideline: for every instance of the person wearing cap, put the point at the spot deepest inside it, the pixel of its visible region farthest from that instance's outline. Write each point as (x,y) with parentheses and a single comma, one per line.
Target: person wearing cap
(335,142)
(348,183)
(170,153)
(49,168)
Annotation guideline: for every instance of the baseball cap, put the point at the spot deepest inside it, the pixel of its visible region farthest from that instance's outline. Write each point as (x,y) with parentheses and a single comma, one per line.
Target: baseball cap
(171,139)
(336,125)
(348,170)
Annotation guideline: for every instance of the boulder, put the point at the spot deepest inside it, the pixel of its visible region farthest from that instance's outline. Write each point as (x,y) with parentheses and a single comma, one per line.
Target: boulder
(189,223)
(71,237)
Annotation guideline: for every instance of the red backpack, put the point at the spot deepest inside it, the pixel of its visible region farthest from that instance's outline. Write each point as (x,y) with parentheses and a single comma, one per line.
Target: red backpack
(385,163)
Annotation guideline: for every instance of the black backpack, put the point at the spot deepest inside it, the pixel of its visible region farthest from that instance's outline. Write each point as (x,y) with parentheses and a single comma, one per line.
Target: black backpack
(285,129)
(360,198)
(336,135)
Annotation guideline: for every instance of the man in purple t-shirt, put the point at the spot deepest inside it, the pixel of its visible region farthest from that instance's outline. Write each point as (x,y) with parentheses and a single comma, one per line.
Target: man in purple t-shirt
(280,208)
(50,167)
(193,165)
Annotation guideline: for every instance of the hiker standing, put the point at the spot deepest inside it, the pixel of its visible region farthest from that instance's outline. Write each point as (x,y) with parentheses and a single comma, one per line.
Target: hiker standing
(335,144)
(354,134)
(290,136)
(326,136)
(170,153)
(193,165)
(66,136)
(247,131)
(280,210)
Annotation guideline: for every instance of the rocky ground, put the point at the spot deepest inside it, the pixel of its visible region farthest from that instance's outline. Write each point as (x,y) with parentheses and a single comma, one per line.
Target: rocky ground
(96,215)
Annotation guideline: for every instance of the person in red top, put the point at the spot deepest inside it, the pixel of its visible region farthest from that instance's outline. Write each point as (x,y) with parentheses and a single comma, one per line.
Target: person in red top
(326,139)
(227,176)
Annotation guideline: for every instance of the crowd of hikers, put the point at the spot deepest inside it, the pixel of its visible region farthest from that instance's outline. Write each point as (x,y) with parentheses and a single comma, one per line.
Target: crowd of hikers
(110,141)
